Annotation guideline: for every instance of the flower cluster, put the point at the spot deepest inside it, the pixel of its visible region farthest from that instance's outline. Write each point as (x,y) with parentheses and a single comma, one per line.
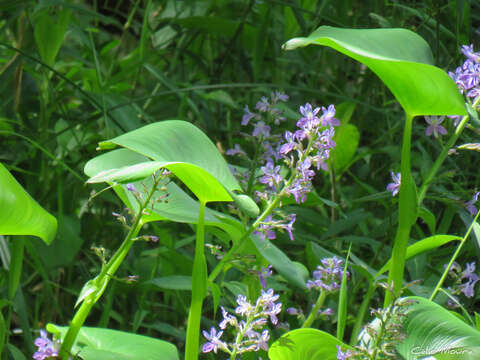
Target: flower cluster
(248,336)
(464,281)
(328,276)
(467,76)
(46,348)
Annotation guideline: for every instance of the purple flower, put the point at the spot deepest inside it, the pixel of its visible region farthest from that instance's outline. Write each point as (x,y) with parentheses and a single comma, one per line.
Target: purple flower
(394,187)
(310,119)
(299,191)
(278,96)
(328,276)
(470,54)
(289,145)
(328,116)
(289,226)
(469,204)
(263,274)
(472,278)
(261,129)
(46,347)
(434,126)
(271,175)
(237,150)
(343,355)
(262,341)
(247,116)
(263,104)
(131,187)
(214,341)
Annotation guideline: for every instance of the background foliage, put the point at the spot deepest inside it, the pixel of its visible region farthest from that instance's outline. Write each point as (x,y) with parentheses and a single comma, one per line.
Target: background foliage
(76,73)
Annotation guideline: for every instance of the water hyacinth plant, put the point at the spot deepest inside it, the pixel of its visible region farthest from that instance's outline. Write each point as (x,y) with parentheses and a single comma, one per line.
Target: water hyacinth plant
(282,217)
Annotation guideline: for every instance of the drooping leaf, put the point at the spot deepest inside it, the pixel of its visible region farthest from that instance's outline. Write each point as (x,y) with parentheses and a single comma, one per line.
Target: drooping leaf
(401,59)
(301,344)
(97,343)
(431,330)
(423,245)
(22,215)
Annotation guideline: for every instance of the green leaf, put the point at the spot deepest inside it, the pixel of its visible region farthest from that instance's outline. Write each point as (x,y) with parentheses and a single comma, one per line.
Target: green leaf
(302,344)
(186,150)
(428,217)
(347,138)
(180,207)
(24,215)
(421,246)
(173,282)
(401,59)
(280,262)
(431,329)
(106,344)
(49,35)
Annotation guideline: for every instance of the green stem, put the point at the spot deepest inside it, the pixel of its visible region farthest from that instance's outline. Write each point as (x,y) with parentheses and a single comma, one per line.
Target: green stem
(313,314)
(361,313)
(407,215)
(199,289)
(441,157)
(454,257)
(102,280)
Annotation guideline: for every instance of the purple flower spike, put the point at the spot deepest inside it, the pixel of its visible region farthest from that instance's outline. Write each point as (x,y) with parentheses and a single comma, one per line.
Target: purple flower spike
(46,348)
(470,54)
(434,126)
(310,119)
(469,204)
(394,187)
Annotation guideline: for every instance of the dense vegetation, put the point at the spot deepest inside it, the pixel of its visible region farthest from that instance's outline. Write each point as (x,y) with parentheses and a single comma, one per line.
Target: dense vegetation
(78,73)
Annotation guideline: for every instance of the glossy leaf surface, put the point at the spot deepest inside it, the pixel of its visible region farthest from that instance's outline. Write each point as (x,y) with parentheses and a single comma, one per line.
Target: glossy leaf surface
(401,59)
(434,330)
(301,344)
(106,344)
(21,214)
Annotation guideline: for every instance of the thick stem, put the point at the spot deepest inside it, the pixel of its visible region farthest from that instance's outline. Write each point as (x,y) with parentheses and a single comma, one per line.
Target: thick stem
(407,215)
(313,314)
(199,290)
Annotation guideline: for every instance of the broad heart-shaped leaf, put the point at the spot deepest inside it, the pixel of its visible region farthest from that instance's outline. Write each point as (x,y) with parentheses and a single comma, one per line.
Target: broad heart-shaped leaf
(177,141)
(21,215)
(180,207)
(421,246)
(302,344)
(431,330)
(401,59)
(106,344)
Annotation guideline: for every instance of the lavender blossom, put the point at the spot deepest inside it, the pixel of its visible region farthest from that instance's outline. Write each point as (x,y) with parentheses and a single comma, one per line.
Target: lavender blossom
(271,175)
(263,105)
(343,355)
(263,274)
(250,333)
(46,348)
(470,204)
(434,126)
(237,150)
(278,96)
(261,129)
(467,76)
(395,186)
(464,280)
(131,187)
(328,117)
(247,116)
(328,276)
